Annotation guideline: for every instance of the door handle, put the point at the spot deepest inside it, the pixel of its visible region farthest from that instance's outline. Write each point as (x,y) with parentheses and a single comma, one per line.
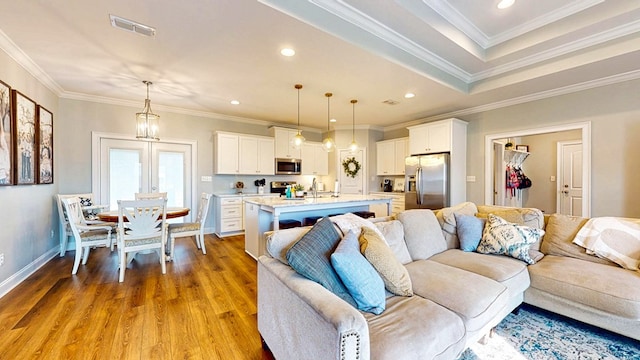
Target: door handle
(566,192)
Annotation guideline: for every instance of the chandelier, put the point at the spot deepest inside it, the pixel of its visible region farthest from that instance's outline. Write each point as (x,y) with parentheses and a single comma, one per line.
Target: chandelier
(147,123)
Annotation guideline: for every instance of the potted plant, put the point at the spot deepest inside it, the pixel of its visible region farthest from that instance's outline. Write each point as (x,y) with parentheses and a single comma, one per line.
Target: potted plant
(299,189)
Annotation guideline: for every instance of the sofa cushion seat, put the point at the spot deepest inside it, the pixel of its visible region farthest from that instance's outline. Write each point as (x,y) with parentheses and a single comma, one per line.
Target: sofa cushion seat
(415,328)
(607,288)
(475,298)
(510,272)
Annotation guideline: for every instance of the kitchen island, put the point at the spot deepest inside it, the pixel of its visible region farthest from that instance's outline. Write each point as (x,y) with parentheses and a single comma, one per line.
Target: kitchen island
(264,214)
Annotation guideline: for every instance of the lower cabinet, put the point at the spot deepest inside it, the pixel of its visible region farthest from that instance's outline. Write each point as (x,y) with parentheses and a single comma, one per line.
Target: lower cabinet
(230,213)
(397,204)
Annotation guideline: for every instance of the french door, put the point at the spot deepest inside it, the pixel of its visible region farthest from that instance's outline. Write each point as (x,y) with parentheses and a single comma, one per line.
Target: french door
(124,166)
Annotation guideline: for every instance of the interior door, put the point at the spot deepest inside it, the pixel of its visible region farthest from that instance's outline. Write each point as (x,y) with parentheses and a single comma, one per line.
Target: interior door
(129,166)
(570,178)
(352,185)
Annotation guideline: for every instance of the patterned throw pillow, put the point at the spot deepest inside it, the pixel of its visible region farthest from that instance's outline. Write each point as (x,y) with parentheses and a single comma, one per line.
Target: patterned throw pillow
(85,201)
(311,258)
(614,239)
(357,274)
(503,237)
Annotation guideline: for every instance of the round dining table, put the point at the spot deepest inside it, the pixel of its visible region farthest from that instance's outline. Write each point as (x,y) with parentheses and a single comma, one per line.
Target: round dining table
(172,212)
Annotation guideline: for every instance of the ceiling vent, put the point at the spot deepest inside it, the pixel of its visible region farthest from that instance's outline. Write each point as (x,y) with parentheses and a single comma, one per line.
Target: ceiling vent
(391,102)
(131,26)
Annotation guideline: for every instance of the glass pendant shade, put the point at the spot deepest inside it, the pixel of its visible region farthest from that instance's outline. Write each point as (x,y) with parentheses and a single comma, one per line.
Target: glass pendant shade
(298,139)
(327,144)
(147,123)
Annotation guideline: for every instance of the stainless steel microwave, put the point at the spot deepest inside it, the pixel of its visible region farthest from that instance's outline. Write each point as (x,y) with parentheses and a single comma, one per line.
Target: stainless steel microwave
(288,166)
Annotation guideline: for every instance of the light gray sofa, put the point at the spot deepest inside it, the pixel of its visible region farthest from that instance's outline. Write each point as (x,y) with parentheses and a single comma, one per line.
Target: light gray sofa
(458,296)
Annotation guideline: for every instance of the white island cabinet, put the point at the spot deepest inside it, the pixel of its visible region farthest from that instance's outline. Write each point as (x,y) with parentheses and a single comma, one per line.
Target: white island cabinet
(264,214)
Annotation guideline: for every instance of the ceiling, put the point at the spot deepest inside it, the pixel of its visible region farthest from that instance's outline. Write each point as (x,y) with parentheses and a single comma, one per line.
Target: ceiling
(457,56)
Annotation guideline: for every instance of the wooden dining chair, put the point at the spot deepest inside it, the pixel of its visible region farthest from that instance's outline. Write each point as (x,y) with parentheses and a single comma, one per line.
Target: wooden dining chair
(86,236)
(151,195)
(142,225)
(195,229)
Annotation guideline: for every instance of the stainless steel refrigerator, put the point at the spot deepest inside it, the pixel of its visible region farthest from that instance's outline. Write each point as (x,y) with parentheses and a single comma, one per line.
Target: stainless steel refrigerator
(427,181)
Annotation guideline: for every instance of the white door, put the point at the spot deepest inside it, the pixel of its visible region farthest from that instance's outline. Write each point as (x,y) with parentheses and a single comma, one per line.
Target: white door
(125,167)
(348,184)
(570,178)
(499,180)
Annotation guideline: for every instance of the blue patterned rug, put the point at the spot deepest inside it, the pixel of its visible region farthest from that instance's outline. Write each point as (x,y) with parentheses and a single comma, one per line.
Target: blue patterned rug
(538,334)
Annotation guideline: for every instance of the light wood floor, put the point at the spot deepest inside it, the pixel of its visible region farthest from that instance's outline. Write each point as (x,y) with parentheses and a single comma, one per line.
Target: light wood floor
(203,308)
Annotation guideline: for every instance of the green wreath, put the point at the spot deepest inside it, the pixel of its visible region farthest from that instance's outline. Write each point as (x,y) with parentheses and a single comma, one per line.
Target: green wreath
(349,169)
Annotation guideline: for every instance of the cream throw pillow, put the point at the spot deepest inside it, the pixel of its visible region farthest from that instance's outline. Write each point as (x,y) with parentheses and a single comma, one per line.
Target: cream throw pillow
(503,237)
(394,275)
(612,238)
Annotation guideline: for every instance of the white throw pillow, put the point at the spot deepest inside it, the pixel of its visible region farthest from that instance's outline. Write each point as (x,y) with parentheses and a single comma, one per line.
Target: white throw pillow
(612,238)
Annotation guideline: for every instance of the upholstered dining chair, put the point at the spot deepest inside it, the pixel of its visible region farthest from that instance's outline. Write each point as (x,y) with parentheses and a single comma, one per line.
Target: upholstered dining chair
(86,199)
(86,236)
(195,229)
(151,195)
(142,225)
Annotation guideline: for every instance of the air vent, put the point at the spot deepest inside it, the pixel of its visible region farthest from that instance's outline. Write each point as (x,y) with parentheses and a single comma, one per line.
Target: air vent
(131,26)
(391,102)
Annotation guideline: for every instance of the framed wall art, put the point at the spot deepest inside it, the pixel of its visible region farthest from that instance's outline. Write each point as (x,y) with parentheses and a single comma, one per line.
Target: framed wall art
(25,152)
(45,146)
(522,148)
(7,166)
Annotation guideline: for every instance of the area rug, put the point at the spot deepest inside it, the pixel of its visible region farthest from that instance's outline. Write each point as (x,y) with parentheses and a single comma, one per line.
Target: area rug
(538,334)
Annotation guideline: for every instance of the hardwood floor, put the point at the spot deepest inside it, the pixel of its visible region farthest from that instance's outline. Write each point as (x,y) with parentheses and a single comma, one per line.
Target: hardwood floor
(204,307)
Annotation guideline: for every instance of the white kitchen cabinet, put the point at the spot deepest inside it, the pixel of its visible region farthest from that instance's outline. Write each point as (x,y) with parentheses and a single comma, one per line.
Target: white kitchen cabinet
(226,156)
(430,138)
(244,154)
(390,156)
(397,203)
(315,160)
(256,155)
(283,148)
(445,136)
(228,214)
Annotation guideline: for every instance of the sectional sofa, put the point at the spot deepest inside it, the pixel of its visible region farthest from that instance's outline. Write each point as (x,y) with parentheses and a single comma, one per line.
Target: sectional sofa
(458,296)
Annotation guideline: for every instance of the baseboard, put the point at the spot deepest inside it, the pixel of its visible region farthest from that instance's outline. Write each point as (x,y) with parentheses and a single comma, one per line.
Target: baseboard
(17,278)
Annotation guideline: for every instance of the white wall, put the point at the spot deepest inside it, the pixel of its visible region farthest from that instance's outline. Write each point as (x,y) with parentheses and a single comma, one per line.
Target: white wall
(27,211)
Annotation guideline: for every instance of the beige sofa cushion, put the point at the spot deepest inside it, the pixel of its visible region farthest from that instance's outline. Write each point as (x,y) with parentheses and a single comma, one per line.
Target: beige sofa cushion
(475,298)
(447,220)
(510,272)
(415,328)
(393,274)
(561,230)
(394,235)
(422,233)
(607,288)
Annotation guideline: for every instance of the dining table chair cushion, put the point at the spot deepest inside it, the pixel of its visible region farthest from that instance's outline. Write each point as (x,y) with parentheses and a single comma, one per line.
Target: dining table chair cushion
(183,227)
(145,241)
(97,234)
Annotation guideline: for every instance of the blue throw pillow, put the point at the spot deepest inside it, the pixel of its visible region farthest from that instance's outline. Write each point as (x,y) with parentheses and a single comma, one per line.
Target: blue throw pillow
(358,275)
(469,230)
(311,258)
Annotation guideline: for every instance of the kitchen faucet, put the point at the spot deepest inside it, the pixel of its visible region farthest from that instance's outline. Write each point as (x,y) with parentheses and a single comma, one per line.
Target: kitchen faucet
(314,188)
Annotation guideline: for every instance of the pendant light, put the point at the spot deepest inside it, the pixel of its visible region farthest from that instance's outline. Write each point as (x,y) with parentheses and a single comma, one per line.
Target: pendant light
(298,139)
(327,144)
(354,145)
(147,123)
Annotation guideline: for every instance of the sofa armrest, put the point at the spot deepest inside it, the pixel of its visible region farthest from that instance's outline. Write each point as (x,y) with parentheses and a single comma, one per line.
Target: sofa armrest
(300,319)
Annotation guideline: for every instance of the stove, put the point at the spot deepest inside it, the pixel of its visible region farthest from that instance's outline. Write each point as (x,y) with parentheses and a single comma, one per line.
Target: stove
(279,187)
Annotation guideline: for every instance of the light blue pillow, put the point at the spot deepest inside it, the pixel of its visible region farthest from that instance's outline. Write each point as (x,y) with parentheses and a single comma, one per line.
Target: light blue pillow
(358,275)
(469,229)
(311,258)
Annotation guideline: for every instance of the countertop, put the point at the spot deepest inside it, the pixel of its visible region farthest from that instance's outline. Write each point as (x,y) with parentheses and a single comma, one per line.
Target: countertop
(309,201)
(220,194)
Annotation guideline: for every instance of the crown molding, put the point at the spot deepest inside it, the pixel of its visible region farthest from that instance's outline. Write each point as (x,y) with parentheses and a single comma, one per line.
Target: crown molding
(459,21)
(569,89)
(28,64)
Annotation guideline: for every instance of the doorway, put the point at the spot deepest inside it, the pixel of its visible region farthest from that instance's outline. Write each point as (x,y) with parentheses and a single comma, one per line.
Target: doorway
(569,201)
(585,131)
(358,183)
(122,166)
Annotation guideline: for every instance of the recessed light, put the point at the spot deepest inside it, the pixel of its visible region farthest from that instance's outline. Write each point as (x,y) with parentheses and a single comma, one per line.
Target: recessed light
(505,4)
(333,120)
(287,52)
(409,95)
(235,102)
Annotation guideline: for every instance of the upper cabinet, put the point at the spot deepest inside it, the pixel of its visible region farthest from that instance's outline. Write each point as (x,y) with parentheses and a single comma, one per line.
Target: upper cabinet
(283,148)
(390,156)
(244,154)
(429,138)
(315,160)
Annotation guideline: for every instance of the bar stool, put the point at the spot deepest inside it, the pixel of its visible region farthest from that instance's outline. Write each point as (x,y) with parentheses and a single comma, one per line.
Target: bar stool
(288,224)
(365,214)
(311,220)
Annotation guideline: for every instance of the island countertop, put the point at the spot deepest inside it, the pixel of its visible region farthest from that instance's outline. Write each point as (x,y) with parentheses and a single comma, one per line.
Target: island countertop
(295,204)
